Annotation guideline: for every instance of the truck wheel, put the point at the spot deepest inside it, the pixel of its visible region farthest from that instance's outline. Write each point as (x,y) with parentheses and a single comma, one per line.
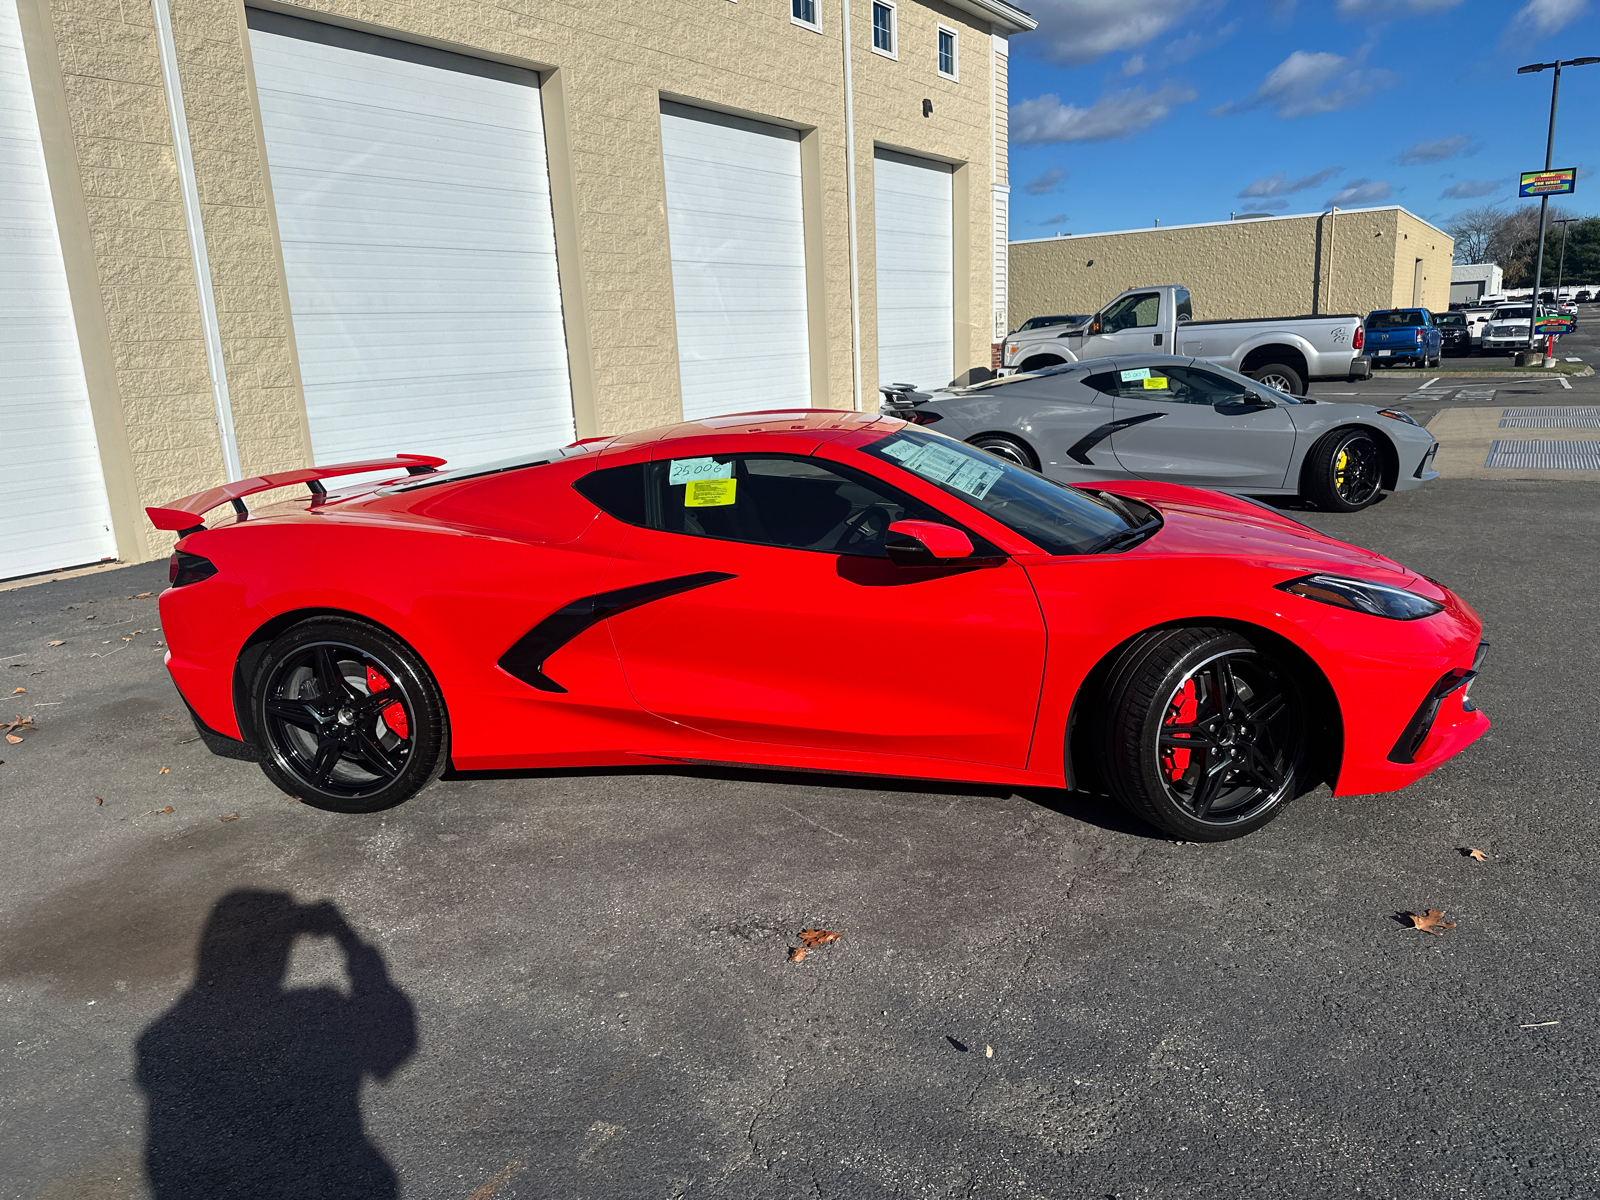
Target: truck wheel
(1041,361)
(1344,471)
(1276,375)
(1013,450)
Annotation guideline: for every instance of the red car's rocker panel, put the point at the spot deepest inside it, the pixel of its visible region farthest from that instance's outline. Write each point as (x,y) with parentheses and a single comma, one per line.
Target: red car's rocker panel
(730,591)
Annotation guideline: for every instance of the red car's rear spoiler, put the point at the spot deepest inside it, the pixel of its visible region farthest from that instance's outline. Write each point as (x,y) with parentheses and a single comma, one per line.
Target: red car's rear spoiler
(185,515)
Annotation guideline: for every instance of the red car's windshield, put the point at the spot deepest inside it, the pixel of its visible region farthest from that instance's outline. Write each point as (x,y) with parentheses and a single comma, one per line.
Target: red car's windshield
(1054,517)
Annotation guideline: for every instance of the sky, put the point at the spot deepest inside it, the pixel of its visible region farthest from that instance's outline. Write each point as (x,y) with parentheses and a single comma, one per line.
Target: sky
(1127,112)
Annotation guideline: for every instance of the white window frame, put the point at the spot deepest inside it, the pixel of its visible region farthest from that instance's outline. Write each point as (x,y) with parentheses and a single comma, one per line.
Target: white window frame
(955,54)
(894,28)
(814,26)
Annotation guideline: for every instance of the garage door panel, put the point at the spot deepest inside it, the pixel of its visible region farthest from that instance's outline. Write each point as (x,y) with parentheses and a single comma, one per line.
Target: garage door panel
(735,223)
(913,202)
(413,205)
(56,513)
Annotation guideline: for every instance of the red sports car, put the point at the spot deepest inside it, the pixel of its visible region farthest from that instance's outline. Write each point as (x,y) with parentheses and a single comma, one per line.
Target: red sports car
(808,590)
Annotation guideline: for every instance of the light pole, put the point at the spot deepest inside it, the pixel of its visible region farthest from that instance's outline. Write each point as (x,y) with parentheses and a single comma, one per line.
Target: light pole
(1544,201)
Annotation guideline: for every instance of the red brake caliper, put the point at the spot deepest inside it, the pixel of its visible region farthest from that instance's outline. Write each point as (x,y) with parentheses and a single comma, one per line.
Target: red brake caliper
(394,716)
(1181,712)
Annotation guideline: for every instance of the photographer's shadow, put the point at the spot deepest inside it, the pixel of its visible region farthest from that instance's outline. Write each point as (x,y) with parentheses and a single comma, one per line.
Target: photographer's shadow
(254,1088)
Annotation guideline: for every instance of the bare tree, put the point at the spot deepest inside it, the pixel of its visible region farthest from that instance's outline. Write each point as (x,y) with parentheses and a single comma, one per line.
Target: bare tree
(1474,230)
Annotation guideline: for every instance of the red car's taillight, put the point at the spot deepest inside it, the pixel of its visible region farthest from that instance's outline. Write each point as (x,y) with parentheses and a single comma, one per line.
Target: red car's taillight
(1360,338)
(185,568)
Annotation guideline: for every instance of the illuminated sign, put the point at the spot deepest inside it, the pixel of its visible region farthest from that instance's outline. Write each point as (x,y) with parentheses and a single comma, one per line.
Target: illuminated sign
(1549,183)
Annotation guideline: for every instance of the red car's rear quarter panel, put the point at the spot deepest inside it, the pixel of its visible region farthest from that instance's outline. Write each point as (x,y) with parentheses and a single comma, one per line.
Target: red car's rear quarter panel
(460,577)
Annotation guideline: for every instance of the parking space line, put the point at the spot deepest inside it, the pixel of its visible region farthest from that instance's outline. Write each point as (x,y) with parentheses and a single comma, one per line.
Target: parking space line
(1564,382)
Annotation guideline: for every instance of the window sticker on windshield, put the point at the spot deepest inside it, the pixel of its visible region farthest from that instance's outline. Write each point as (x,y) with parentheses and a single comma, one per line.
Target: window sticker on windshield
(685,469)
(1155,383)
(709,493)
(1141,373)
(943,465)
(901,451)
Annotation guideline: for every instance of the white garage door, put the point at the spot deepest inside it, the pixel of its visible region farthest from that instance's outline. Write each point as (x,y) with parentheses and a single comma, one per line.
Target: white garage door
(915,211)
(738,262)
(55,512)
(413,201)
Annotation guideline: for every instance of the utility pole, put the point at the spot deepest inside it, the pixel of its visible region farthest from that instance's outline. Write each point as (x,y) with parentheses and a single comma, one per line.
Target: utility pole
(1544,201)
(1561,269)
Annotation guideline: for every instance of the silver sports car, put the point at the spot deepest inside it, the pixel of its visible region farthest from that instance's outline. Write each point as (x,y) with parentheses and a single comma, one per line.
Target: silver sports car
(1182,420)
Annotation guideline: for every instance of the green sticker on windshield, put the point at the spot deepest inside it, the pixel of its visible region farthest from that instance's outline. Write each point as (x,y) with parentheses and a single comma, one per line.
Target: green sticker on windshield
(1141,373)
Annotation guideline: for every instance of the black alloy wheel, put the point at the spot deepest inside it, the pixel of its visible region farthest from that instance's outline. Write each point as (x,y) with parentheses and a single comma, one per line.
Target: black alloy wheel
(1013,450)
(1206,734)
(347,718)
(1344,471)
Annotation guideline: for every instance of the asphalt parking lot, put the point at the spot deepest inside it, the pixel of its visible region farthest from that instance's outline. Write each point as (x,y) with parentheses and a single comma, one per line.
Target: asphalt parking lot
(577,985)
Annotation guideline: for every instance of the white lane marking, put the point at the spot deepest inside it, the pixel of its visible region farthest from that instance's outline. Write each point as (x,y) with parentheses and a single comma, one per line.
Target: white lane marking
(1564,382)
(1431,382)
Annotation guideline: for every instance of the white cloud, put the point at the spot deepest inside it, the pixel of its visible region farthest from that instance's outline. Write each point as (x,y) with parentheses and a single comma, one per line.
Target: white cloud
(1360,191)
(1074,32)
(1058,219)
(1181,50)
(1116,114)
(1046,183)
(1538,18)
(1467,189)
(1281,185)
(1265,206)
(1432,152)
(1133,66)
(1354,10)
(1305,84)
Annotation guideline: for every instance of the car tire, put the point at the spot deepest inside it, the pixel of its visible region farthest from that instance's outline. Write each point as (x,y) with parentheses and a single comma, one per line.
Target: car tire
(1241,708)
(1344,471)
(1013,450)
(324,734)
(1276,375)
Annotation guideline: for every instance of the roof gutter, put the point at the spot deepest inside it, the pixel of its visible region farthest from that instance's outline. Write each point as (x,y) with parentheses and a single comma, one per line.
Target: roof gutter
(1007,18)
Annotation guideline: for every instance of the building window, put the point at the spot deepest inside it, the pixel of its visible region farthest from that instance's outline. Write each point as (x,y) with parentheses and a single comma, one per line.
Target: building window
(804,12)
(947,52)
(883,31)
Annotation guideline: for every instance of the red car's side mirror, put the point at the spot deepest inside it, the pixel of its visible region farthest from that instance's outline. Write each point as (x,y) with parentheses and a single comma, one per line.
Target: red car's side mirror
(926,543)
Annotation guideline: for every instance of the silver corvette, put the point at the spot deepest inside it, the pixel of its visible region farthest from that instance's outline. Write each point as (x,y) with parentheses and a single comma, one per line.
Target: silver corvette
(1181,420)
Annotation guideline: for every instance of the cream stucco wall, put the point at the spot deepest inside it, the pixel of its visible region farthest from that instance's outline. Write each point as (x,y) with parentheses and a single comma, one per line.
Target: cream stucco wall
(606,66)
(1281,266)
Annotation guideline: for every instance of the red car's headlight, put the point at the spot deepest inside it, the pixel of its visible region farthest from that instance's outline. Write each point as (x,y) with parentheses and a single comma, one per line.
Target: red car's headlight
(1360,595)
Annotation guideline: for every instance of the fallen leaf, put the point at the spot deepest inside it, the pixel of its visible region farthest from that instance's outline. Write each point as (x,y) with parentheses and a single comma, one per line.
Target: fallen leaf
(229,817)
(55,643)
(144,595)
(13,739)
(988,1051)
(127,639)
(99,801)
(163,718)
(165,771)
(18,691)
(1475,854)
(90,617)
(1429,922)
(156,812)
(798,954)
(817,937)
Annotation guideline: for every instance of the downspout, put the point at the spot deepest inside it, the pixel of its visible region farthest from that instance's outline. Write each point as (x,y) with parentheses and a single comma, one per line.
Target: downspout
(850,215)
(197,238)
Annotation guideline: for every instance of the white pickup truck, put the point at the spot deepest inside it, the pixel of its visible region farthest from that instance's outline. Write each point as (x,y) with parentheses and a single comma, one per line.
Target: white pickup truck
(1282,352)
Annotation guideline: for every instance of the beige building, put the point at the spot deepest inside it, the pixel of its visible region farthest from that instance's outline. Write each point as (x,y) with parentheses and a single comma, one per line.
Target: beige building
(251,238)
(1346,262)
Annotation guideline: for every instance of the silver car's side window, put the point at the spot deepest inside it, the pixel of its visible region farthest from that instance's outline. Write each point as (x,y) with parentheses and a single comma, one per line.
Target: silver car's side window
(1138,311)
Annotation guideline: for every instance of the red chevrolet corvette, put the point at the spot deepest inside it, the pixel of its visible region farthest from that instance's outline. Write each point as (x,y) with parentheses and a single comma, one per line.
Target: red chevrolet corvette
(812,590)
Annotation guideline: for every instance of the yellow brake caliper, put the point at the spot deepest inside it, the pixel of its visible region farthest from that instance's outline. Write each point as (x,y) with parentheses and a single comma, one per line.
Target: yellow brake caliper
(1338,467)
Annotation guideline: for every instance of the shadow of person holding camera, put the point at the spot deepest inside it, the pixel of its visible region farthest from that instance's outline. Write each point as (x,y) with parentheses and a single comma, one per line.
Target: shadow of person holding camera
(254,1088)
